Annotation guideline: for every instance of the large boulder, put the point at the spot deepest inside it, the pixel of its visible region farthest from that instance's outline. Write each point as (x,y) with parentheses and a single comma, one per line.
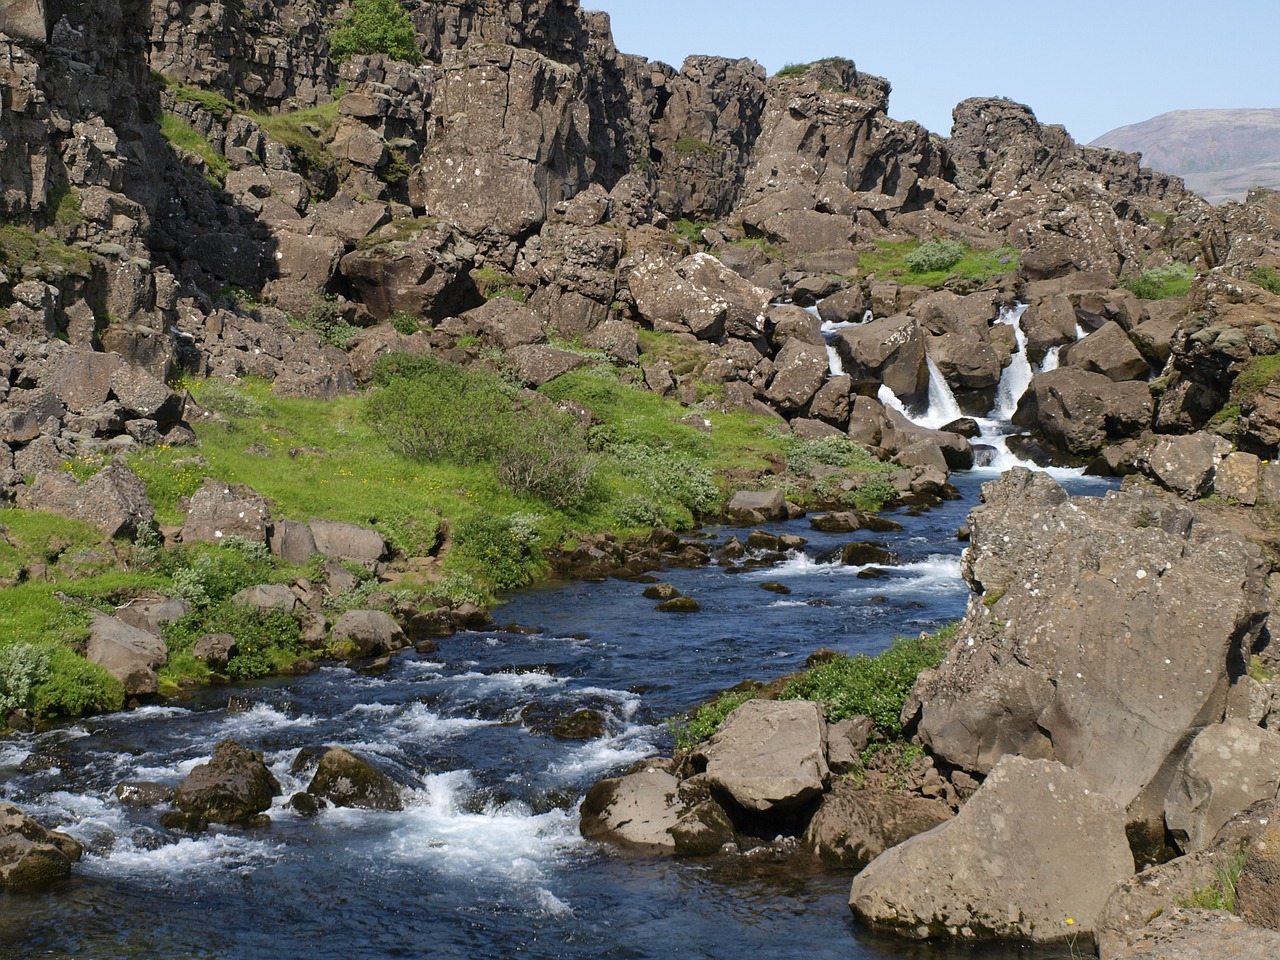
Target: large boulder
(1188,934)
(636,811)
(1078,410)
(889,351)
(799,371)
(234,787)
(1110,352)
(348,541)
(697,295)
(1258,885)
(366,633)
(1106,639)
(219,510)
(114,499)
(129,654)
(1229,766)
(30,855)
(1034,848)
(347,780)
(1186,464)
(768,755)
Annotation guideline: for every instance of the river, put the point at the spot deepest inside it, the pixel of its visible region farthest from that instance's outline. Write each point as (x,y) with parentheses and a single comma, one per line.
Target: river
(486,860)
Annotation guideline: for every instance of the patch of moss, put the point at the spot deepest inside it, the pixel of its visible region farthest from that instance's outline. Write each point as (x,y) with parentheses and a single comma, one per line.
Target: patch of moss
(695,145)
(40,254)
(186,139)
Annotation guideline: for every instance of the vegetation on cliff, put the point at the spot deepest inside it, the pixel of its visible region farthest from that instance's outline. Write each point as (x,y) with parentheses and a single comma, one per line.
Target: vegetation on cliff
(375,26)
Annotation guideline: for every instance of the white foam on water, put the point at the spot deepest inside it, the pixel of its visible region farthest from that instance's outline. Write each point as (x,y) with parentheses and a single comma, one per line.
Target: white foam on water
(149,713)
(418,722)
(505,840)
(1081,332)
(788,603)
(547,904)
(593,757)
(188,855)
(943,407)
(1016,377)
(485,685)
(262,718)
(128,766)
(934,574)
(1051,360)
(890,399)
(12,754)
(797,564)
(372,710)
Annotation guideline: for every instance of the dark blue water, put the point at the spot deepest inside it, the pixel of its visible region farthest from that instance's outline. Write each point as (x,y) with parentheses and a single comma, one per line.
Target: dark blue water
(486,860)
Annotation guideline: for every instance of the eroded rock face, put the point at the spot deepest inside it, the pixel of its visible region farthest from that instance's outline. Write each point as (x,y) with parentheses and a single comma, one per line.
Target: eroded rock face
(1106,641)
(1031,848)
(1078,411)
(234,787)
(31,856)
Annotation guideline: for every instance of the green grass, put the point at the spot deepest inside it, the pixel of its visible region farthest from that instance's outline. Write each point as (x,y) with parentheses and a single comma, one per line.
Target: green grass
(493,283)
(304,132)
(1221,893)
(1161,283)
(689,146)
(21,245)
(1268,278)
(184,137)
(214,103)
(691,230)
(1258,373)
(794,70)
(892,260)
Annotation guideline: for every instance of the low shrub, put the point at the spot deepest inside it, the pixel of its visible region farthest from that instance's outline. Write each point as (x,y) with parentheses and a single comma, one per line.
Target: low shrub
(544,453)
(506,548)
(75,687)
(705,721)
(1268,278)
(875,687)
(23,667)
(204,576)
(935,255)
(1160,283)
(185,138)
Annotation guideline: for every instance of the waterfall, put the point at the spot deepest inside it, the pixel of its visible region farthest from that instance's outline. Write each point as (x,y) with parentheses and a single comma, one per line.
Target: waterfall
(942,402)
(1017,375)
(890,399)
(1050,361)
(1081,332)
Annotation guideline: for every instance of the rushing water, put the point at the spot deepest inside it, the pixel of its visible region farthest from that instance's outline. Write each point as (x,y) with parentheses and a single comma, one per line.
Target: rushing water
(486,859)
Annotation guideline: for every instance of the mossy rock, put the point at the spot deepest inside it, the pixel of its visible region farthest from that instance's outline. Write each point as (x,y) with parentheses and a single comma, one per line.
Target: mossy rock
(679,605)
(346,780)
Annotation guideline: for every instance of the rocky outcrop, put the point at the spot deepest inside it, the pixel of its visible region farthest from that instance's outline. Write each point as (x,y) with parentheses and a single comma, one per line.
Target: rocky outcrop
(1033,849)
(31,856)
(1111,632)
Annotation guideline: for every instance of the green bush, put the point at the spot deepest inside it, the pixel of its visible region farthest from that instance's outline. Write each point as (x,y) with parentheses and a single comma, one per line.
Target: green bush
(23,667)
(794,70)
(505,547)
(75,687)
(544,453)
(1268,278)
(1160,283)
(935,255)
(803,455)
(266,641)
(327,318)
(875,687)
(375,26)
(691,230)
(402,321)
(873,494)
(693,145)
(670,477)
(207,575)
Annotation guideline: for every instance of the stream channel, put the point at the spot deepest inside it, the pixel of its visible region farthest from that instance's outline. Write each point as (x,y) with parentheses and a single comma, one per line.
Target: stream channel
(486,860)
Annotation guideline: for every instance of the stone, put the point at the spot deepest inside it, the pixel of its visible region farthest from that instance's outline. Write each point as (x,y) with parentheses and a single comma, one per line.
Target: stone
(233,787)
(143,793)
(215,649)
(1258,886)
(679,605)
(768,756)
(1078,411)
(152,615)
(1179,934)
(267,598)
(31,856)
(887,351)
(292,541)
(857,823)
(799,371)
(757,506)
(1228,767)
(130,655)
(702,830)
(348,780)
(366,633)
(1237,478)
(24,20)
(844,521)
(143,396)
(1110,352)
(348,541)
(1186,465)
(636,811)
(1032,848)
(114,499)
(219,510)
(537,364)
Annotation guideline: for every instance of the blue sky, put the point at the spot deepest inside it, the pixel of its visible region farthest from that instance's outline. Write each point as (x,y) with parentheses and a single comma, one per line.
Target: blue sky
(1091,66)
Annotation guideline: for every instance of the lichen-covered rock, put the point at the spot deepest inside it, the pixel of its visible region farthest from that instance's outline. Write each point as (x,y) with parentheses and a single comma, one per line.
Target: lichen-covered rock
(1228,767)
(114,499)
(1078,411)
(218,511)
(637,811)
(31,856)
(855,824)
(348,541)
(234,787)
(347,780)
(1032,848)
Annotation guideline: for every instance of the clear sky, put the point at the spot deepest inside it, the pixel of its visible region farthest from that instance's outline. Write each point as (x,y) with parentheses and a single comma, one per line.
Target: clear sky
(1088,65)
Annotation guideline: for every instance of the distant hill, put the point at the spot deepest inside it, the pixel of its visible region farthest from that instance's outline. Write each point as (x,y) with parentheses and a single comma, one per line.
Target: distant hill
(1219,153)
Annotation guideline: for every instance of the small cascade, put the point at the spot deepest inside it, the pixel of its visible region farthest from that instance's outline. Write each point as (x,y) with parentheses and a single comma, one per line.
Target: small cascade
(1050,361)
(943,408)
(1017,375)
(890,399)
(834,364)
(1081,332)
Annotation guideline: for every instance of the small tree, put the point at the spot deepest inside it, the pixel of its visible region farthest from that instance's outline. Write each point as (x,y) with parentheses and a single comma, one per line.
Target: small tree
(376,26)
